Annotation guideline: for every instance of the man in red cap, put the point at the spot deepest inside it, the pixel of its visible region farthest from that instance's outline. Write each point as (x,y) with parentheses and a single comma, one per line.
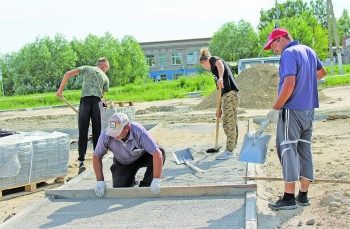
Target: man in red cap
(132,148)
(299,71)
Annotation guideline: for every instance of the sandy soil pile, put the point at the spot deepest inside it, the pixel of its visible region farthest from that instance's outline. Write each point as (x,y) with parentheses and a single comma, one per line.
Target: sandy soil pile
(257,85)
(258,89)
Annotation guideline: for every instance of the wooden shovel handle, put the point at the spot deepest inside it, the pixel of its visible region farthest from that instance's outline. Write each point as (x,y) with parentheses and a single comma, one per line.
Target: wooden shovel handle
(70,105)
(218,119)
(194,167)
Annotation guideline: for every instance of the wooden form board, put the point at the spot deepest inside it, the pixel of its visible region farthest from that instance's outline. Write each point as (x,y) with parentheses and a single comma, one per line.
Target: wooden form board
(281,179)
(145,192)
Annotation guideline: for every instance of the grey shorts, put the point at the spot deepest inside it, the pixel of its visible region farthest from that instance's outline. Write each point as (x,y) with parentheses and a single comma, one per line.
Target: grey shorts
(293,143)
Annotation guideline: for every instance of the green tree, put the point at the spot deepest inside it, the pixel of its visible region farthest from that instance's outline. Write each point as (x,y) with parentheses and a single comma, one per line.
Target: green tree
(343,25)
(234,41)
(287,9)
(303,30)
(132,63)
(38,66)
(92,48)
(319,9)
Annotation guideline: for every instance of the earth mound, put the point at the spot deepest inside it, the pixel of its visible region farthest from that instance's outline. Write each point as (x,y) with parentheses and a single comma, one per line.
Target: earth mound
(257,89)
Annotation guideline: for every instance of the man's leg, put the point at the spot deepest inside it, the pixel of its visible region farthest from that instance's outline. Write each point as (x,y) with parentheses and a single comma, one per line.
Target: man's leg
(83,127)
(124,175)
(96,119)
(147,161)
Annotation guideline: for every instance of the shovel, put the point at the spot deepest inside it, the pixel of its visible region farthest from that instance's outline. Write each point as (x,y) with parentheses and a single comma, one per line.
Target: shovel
(216,148)
(70,105)
(184,157)
(254,147)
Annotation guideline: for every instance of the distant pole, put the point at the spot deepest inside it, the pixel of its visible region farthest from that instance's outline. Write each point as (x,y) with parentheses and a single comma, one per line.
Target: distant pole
(277,25)
(330,38)
(335,30)
(2,84)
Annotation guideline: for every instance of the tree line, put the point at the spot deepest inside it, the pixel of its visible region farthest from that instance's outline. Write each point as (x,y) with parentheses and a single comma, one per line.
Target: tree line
(39,66)
(307,23)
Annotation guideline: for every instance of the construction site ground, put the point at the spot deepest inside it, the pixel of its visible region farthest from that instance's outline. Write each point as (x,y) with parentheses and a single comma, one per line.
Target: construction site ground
(183,126)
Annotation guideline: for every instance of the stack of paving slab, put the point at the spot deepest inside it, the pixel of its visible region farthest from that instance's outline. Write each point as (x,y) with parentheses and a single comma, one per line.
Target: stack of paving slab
(108,112)
(32,157)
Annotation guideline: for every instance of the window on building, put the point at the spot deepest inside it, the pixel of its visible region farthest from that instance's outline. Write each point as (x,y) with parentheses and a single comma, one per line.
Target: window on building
(176,76)
(191,57)
(176,58)
(150,60)
(162,60)
(163,77)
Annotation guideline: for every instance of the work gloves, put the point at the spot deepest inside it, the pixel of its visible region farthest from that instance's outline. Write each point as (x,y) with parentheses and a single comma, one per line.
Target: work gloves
(100,189)
(272,115)
(155,186)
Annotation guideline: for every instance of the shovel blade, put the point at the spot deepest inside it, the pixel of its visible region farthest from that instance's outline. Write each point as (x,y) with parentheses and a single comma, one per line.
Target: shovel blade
(254,150)
(182,156)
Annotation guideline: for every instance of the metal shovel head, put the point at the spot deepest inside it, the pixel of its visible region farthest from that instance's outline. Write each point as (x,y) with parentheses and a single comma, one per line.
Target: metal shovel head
(182,156)
(254,149)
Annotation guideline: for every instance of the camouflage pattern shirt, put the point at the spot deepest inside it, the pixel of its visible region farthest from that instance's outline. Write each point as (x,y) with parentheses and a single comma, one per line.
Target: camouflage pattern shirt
(94,81)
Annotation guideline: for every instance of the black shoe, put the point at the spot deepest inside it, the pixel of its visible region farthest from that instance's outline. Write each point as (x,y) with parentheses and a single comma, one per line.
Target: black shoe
(81,167)
(283,205)
(302,200)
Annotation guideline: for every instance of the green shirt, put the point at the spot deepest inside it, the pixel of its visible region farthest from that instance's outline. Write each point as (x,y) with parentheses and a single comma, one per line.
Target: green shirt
(94,81)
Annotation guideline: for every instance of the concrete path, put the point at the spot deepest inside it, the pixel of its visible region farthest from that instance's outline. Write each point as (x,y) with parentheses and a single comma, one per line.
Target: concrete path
(164,212)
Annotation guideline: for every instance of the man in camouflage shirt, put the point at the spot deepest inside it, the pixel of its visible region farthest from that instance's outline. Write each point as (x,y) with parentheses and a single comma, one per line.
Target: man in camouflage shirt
(95,84)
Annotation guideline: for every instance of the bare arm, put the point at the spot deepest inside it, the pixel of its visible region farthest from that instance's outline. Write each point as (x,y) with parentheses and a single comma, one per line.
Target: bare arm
(65,79)
(97,163)
(321,73)
(286,92)
(221,69)
(157,164)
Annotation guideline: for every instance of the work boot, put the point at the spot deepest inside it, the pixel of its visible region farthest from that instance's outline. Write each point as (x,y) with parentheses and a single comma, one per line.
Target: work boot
(81,167)
(225,155)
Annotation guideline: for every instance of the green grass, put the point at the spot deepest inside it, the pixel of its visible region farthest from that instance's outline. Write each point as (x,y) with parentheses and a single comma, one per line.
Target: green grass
(146,92)
(346,69)
(138,93)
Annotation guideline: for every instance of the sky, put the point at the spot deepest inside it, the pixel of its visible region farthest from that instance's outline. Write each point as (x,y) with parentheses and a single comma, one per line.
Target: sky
(22,21)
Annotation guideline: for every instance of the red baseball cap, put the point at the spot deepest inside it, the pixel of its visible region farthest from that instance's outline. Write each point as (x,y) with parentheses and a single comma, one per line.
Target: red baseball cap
(276,33)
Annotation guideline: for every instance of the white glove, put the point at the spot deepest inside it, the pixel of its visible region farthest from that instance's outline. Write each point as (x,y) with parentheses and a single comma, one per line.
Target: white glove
(100,189)
(155,186)
(273,115)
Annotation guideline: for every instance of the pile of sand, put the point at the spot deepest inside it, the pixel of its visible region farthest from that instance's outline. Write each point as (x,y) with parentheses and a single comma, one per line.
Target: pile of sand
(257,85)
(258,89)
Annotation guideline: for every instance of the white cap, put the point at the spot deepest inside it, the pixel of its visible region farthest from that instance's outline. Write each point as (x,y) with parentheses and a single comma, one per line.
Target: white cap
(116,124)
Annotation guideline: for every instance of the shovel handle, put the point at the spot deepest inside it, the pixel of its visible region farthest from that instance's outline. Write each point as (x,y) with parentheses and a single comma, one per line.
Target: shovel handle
(218,119)
(264,124)
(194,167)
(70,105)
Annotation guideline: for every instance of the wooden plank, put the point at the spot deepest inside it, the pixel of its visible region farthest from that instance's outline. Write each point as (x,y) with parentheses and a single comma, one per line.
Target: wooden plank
(281,179)
(145,192)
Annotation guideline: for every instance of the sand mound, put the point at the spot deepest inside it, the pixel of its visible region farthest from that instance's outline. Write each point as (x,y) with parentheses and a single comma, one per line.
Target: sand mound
(258,89)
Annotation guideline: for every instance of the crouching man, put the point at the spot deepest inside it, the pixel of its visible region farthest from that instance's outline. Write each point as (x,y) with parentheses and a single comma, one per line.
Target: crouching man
(133,148)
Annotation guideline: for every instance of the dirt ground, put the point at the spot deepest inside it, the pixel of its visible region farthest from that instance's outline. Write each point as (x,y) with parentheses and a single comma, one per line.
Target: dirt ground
(330,206)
